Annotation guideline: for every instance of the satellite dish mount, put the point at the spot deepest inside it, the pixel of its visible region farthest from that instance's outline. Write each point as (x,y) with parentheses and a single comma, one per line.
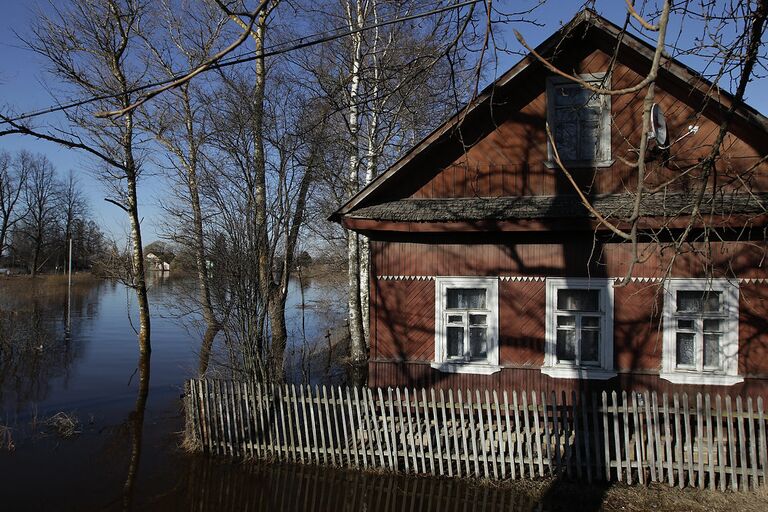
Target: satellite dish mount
(658,130)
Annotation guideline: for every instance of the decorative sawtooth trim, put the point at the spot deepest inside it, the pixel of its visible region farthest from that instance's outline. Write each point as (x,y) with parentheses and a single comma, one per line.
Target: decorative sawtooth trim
(405,278)
(753,280)
(541,279)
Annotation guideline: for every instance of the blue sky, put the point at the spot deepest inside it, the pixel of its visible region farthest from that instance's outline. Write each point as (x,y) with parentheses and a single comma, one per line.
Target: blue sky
(22,80)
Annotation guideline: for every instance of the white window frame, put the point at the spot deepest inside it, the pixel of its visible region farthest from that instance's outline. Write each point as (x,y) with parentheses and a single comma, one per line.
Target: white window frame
(729,343)
(441,362)
(552,366)
(604,159)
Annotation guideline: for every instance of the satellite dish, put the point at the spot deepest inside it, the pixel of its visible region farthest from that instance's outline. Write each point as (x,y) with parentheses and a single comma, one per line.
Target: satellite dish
(658,125)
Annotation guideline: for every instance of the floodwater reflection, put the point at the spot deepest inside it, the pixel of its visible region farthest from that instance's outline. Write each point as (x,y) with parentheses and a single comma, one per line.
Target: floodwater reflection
(213,485)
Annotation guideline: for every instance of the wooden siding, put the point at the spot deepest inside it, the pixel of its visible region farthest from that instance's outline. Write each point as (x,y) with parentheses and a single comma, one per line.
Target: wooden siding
(554,255)
(418,374)
(403,327)
(510,160)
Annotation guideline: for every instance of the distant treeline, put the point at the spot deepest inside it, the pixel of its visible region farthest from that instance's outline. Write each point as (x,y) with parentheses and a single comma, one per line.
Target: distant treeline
(40,211)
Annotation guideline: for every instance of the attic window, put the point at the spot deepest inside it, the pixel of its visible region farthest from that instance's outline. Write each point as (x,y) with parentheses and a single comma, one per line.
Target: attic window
(580,121)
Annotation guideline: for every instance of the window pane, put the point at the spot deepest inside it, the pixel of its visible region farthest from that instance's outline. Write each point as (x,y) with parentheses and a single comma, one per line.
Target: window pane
(455,337)
(566,321)
(566,345)
(578,300)
(589,133)
(685,355)
(466,298)
(590,343)
(698,301)
(455,319)
(477,343)
(712,350)
(711,325)
(590,321)
(477,320)
(685,324)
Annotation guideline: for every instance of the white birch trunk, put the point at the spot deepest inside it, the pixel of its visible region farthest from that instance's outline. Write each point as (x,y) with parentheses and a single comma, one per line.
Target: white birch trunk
(357,345)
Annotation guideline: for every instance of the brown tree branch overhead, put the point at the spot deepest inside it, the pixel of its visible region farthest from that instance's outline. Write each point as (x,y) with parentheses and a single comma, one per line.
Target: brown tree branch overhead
(208,64)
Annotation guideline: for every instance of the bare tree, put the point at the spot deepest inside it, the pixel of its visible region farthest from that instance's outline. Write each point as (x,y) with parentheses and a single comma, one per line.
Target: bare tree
(41,203)
(178,120)
(13,178)
(91,48)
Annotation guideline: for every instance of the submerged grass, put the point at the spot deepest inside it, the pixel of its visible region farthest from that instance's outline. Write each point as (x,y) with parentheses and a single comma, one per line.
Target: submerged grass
(63,425)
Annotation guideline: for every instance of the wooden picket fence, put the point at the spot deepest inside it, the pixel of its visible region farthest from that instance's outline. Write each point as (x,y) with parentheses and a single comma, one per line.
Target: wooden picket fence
(703,441)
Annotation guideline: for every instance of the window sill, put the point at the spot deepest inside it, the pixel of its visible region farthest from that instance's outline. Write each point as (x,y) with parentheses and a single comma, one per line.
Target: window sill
(701,379)
(564,372)
(579,164)
(474,368)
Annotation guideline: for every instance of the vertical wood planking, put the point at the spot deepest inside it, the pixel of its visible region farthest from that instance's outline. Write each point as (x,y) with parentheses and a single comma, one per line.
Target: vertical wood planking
(720,447)
(659,444)
(606,437)
(752,443)
(473,440)
(710,448)
(742,442)
(700,439)
(491,440)
(463,433)
(455,433)
(616,435)
(447,426)
(577,434)
(412,443)
(585,437)
(510,448)
(537,433)
(688,439)
(394,459)
(361,430)
(500,435)
(637,440)
(427,431)
(596,437)
(297,422)
(390,460)
(547,440)
(438,428)
(731,444)
(481,427)
(568,448)
(519,435)
(403,435)
(417,431)
(668,440)
(678,441)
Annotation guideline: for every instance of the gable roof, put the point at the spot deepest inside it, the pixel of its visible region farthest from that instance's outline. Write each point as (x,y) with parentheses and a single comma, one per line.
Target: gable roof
(585,20)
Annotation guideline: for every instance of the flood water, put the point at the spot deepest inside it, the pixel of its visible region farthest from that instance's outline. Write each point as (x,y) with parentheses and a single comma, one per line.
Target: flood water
(88,372)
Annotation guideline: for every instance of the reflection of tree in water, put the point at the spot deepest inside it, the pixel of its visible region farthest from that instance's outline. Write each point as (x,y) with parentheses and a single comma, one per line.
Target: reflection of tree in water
(33,346)
(213,485)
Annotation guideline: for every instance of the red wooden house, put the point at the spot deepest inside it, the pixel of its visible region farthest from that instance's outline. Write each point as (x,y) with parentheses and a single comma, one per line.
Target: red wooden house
(488,271)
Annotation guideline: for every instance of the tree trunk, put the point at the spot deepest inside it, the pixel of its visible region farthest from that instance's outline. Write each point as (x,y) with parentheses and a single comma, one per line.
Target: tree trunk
(358,350)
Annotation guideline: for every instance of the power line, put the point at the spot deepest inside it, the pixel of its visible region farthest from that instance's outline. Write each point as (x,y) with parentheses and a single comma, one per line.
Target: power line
(241,59)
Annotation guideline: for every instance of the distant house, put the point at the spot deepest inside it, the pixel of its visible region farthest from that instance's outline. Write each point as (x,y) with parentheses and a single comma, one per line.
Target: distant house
(158,263)
(488,272)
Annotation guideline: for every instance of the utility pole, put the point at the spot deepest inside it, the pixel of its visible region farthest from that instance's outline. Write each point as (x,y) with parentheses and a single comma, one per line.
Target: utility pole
(69,290)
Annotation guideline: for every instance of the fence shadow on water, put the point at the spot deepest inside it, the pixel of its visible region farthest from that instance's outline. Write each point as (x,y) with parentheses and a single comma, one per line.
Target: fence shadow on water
(634,438)
(213,484)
